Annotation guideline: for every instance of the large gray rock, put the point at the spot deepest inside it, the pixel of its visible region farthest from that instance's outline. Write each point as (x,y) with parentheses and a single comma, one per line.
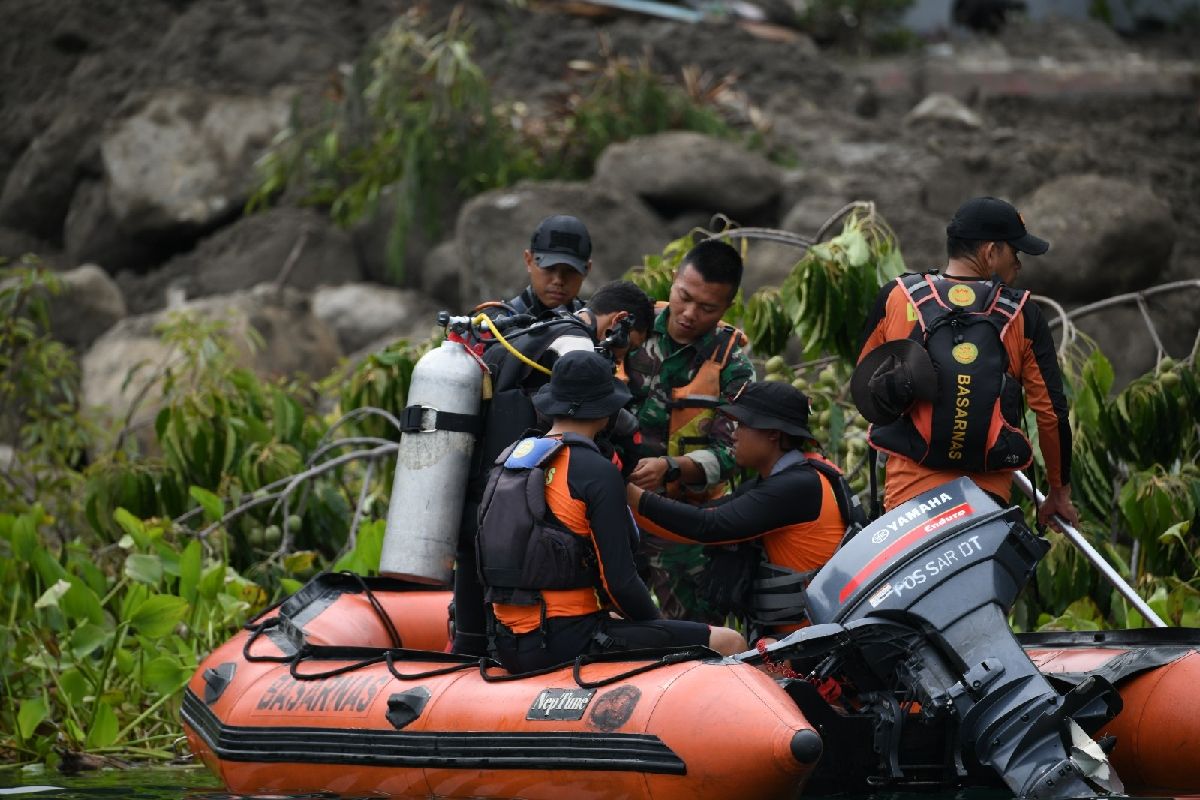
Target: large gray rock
(90,304)
(362,313)
(681,170)
(493,231)
(940,109)
(440,274)
(299,246)
(1107,236)
(38,189)
(293,341)
(181,164)
(185,158)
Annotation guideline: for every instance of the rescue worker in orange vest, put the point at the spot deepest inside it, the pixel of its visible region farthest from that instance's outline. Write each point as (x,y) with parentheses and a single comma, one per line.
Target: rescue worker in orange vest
(799,507)
(945,360)
(556,540)
(690,364)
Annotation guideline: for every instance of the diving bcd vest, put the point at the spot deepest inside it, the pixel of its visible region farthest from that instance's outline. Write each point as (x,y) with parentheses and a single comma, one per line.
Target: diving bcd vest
(769,594)
(971,425)
(521,549)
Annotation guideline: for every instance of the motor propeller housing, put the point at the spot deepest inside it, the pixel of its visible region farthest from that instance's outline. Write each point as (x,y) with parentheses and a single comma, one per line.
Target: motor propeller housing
(923,594)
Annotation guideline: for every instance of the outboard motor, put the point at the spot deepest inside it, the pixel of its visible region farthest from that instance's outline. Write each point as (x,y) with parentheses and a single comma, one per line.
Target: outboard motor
(923,593)
(438,427)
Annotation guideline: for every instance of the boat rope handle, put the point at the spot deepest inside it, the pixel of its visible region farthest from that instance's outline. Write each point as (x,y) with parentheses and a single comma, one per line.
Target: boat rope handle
(294,666)
(486,321)
(678,657)
(384,617)
(417,676)
(484,663)
(258,630)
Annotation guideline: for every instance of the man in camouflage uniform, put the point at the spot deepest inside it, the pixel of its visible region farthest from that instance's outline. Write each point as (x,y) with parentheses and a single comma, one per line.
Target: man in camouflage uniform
(690,364)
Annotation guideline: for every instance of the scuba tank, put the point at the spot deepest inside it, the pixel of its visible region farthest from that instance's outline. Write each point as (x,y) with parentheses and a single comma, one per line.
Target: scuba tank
(439,427)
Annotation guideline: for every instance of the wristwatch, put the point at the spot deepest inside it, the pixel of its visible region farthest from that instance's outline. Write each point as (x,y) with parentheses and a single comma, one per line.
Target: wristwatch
(673,470)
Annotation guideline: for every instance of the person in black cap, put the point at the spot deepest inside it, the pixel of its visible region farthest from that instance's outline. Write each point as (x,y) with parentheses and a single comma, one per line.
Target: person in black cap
(799,507)
(945,359)
(556,540)
(558,259)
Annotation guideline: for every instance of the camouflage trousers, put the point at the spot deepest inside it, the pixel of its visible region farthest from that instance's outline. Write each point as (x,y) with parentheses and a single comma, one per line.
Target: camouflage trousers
(672,571)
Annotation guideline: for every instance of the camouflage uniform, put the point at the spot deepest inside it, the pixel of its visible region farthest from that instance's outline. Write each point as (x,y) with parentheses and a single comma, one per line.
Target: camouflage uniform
(655,369)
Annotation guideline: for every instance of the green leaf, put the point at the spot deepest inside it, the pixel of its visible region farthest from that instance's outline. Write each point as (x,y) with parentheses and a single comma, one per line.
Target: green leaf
(158,615)
(31,714)
(24,537)
(75,686)
(133,526)
(290,585)
(1099,372)
(189,571)
(214,508)
(301,561)
(103,731)
(165,674)
(51,597)
(857,251)
(212,582)
(87,638)
(82,603)
(144,569)
(1176,532)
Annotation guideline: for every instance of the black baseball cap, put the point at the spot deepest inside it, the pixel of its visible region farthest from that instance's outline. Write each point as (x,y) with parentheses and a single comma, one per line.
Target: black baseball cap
(989,219)
(771,406)
(561,239)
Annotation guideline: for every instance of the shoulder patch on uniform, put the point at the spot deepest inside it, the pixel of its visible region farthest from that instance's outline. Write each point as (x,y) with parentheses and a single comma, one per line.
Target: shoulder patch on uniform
(530,452)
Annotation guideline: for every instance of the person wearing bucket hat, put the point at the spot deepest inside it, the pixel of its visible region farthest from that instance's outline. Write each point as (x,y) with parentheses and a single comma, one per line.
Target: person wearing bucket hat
(556,540)
(949,358)
(799,508)
(620,314)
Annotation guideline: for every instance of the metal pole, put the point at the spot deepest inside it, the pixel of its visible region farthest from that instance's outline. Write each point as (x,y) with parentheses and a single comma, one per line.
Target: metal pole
(1092,555)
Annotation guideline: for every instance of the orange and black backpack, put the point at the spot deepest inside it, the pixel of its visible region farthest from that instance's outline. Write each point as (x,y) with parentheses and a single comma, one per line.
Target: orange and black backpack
(972,425)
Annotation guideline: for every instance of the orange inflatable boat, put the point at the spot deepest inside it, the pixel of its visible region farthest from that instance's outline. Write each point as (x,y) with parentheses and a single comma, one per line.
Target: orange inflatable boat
(908,678)
(289,706)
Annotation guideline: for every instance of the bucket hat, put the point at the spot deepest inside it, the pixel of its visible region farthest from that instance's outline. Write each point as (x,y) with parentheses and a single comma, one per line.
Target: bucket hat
(891,378)
(772,406)
(582,386)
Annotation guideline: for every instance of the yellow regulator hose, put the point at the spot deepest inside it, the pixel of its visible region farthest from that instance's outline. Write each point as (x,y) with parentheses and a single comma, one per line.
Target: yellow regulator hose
(486,321)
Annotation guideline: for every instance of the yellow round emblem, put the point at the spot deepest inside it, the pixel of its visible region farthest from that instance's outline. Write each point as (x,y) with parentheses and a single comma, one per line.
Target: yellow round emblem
(961,295)
(523,448)
(965,353)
